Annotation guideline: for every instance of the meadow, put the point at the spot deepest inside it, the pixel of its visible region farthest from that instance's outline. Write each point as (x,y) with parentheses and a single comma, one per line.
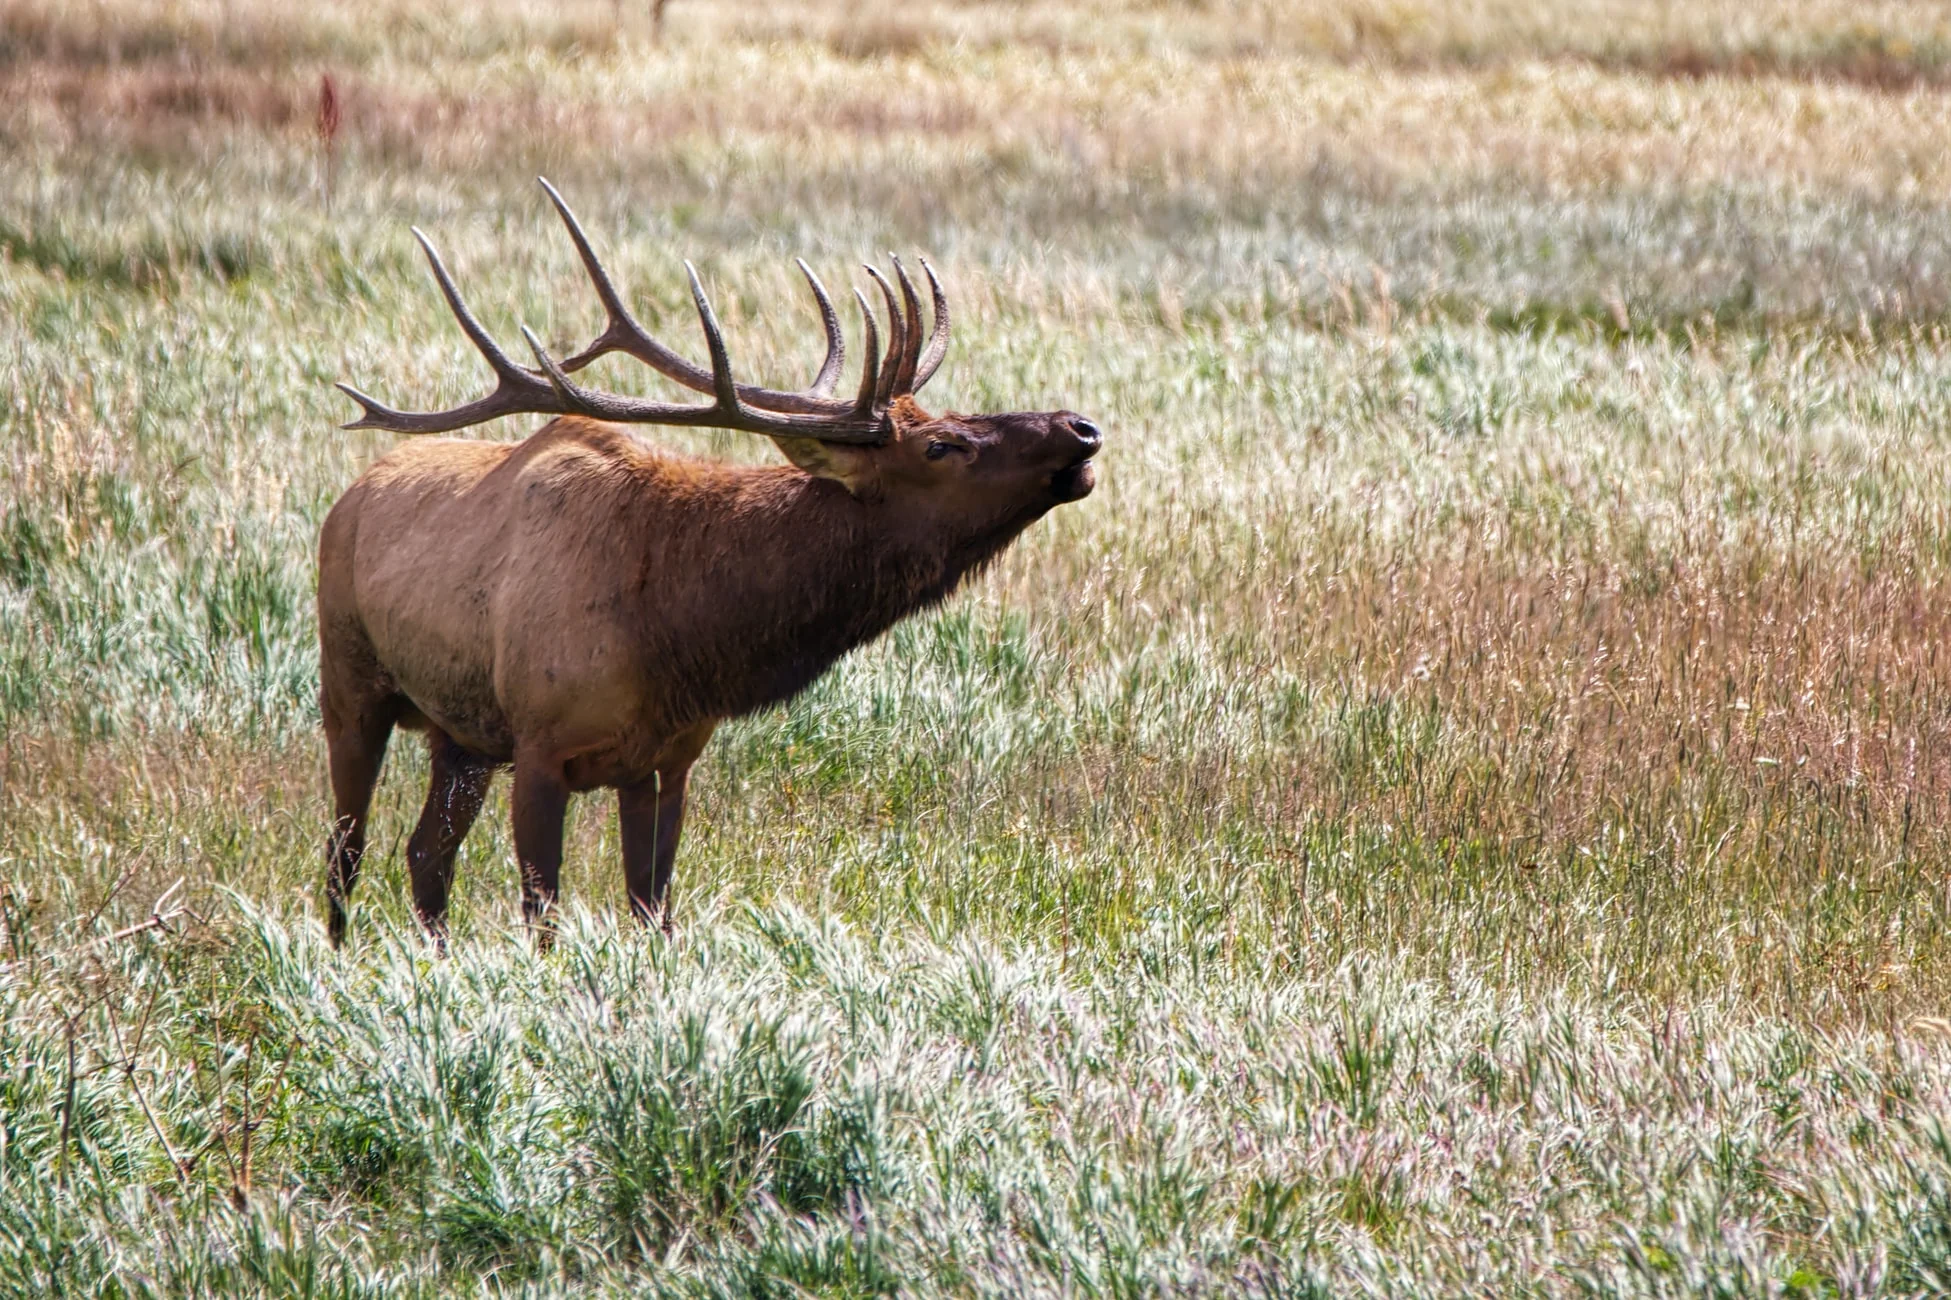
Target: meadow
(1461,810)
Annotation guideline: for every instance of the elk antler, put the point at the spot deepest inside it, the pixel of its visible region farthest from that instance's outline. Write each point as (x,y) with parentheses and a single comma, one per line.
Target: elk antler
(811,413)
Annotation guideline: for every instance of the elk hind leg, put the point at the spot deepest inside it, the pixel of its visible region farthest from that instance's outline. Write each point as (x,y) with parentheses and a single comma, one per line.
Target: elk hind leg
(355,745)
(456,787)
(541,799)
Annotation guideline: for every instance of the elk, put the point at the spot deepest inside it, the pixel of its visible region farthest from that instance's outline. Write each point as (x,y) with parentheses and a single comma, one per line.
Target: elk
(587,608)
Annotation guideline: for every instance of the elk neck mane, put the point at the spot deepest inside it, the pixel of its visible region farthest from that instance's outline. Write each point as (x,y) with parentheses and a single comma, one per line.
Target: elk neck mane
(796,570)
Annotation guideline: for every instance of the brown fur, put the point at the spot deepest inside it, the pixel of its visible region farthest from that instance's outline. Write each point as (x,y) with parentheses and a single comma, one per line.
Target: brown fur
(588,608)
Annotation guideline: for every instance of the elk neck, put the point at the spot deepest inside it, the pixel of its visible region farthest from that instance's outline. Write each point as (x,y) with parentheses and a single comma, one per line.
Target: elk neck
(790,573)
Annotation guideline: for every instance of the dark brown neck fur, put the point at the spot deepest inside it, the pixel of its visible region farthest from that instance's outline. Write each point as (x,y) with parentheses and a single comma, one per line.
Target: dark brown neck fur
(799,573)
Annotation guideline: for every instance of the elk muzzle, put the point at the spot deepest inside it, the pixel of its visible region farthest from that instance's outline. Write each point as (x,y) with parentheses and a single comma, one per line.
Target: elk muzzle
(1074,481)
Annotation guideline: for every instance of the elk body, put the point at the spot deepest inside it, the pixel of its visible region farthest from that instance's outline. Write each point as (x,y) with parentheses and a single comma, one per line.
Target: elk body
(587,607)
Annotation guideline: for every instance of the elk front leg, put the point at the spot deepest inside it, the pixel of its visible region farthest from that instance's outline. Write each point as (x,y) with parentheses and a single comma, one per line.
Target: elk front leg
(541,797)
(457,785)
(651,816)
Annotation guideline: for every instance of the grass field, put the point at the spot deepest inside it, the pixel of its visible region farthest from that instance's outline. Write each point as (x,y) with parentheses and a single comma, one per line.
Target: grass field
(1462,810)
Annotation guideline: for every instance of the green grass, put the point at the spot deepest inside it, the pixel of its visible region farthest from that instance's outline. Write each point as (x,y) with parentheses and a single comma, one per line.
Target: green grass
(780,1105)
(1461,810)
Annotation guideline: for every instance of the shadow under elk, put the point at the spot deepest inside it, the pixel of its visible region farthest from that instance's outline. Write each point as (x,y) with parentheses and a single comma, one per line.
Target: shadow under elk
(587,607)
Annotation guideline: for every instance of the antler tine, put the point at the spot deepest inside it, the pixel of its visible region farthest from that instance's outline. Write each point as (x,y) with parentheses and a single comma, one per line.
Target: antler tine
(870,367)
(621,333)
(583,401)
(721,360)
(608,406)
(378,415)
(931,358)
(836,343)
(516,390)
(896,345)
(482,340)
(904,377)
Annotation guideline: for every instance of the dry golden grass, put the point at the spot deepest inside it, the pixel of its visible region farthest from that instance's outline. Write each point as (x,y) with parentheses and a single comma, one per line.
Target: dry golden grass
(1222,89)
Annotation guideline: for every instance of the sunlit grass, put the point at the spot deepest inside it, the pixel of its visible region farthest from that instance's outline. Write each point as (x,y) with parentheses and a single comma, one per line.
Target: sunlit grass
(778,1103)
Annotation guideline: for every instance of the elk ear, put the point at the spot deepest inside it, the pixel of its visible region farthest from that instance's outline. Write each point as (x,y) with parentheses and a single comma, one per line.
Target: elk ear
(848,466)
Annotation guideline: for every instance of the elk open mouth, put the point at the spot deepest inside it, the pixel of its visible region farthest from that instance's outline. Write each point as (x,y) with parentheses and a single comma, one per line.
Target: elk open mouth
(1074,483)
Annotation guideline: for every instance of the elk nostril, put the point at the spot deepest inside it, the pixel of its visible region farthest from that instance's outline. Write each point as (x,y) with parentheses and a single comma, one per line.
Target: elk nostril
(1085,429)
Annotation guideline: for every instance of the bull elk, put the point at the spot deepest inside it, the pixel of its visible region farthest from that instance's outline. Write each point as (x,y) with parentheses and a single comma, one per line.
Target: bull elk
(587,607)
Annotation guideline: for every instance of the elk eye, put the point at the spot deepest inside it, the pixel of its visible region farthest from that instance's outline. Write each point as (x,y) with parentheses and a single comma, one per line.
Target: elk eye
(937,450)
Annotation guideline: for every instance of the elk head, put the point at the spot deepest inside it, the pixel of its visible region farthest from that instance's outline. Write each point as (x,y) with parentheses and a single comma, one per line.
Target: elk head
(973,476)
